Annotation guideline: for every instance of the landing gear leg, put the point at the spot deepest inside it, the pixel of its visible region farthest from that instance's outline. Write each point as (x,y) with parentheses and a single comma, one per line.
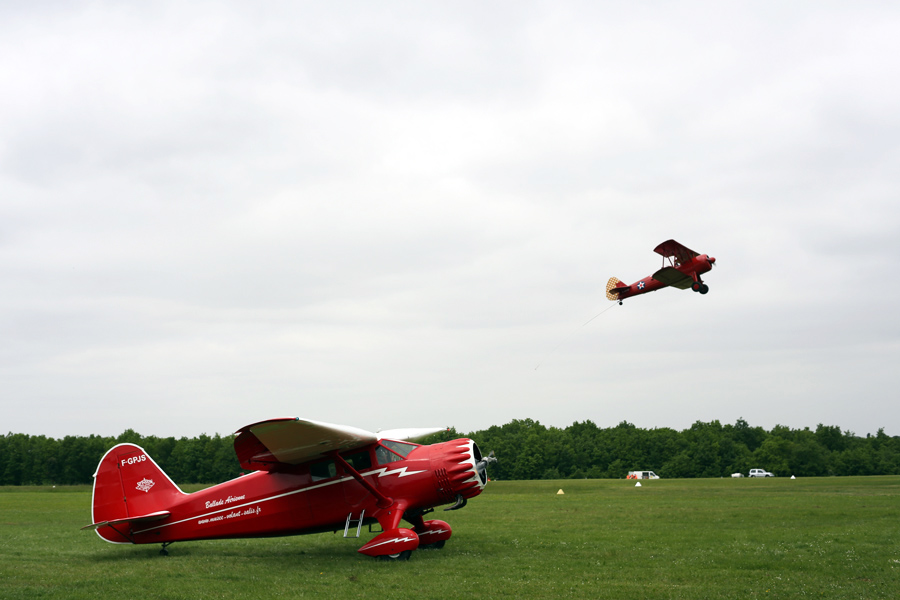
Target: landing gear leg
(165,552)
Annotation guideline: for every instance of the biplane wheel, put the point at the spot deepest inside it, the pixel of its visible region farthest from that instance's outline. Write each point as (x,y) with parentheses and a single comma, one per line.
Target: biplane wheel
(704,288)
(163,552)
(696,286)
(435,546)
(399,556)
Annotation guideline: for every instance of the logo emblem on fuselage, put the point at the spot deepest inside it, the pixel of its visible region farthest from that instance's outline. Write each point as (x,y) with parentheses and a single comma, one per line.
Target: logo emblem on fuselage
(145,484)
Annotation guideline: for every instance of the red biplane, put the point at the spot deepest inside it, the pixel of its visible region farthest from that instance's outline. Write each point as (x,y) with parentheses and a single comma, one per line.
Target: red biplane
(309,477)
(681,268)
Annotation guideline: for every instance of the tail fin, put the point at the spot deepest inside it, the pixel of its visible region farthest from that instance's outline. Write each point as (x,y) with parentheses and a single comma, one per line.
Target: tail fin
(129,486)
(611,292)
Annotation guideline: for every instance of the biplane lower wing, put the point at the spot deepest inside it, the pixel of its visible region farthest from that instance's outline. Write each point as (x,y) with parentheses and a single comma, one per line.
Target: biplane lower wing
(673,277)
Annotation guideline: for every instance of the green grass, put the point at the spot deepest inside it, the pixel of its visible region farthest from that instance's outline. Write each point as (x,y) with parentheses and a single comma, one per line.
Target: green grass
(710,538)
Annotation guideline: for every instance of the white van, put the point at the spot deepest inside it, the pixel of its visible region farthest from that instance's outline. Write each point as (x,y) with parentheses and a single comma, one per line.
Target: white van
(642,475)
(760,473)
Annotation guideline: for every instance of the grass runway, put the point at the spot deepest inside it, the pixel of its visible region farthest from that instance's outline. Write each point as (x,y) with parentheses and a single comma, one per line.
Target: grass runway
(835,537)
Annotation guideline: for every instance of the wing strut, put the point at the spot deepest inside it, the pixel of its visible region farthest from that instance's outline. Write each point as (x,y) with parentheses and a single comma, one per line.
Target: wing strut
(383,501)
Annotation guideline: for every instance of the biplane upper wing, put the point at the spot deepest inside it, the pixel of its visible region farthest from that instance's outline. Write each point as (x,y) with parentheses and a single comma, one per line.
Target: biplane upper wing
(671,248)
(265,445)
(673,277)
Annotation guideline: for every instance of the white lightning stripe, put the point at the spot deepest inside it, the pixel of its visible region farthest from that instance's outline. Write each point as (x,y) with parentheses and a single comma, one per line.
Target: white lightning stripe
(401,472)
(434,531)
(403,539)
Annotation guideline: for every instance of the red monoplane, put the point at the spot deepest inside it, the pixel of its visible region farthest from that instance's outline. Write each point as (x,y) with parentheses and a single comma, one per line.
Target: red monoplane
(309,477)
(681,268)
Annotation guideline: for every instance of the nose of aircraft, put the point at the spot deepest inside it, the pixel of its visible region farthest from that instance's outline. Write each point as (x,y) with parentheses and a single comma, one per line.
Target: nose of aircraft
(463,470)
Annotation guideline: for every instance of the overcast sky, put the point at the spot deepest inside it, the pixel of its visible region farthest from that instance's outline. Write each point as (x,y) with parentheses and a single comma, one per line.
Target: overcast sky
(403,214)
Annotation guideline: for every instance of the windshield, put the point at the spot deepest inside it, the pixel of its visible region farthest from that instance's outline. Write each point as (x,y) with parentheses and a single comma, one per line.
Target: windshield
(391,451)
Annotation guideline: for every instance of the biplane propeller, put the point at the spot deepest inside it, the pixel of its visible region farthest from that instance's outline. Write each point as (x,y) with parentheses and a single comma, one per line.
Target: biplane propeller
(307,477)
(682,268)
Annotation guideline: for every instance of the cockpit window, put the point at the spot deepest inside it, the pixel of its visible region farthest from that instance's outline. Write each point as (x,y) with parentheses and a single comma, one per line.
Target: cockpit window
(323,470)
(390,451)
(384,456)
(359,461)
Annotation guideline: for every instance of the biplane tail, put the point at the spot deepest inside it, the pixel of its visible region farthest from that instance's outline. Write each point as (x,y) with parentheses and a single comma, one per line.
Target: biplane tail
(129,488)
(613,287)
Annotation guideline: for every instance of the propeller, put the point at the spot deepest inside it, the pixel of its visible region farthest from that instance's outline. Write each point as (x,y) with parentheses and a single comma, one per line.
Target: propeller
(481,466)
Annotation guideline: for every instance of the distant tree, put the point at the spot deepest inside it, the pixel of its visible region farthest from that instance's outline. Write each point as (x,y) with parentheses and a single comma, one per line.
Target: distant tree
(526,449)
(830,437)
(775,453)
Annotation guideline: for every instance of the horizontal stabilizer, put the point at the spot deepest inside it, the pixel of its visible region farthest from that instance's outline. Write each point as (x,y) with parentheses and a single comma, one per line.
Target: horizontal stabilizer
(155,516)
(674,277)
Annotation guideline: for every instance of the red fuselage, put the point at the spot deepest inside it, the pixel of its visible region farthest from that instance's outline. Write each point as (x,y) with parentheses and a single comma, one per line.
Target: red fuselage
(309,498)
(692,269)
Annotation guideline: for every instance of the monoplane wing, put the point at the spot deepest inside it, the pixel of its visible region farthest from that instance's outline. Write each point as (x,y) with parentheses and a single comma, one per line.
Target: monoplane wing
(671,248)
(673,277)
(410,434)
(265,445)
(291,441)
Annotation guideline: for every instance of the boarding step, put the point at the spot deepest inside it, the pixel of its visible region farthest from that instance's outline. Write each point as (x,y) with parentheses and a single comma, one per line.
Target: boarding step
(351,521)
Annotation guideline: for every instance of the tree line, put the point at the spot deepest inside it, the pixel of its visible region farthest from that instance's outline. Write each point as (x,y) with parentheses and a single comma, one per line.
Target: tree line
(525,450)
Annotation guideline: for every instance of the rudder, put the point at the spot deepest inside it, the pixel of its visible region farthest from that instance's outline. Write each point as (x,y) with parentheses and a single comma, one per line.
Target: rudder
(611,285)
(128,483)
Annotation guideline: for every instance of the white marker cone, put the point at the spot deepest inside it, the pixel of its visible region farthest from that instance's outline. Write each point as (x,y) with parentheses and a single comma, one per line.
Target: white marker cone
(560,492)
(638,484)
(792,477)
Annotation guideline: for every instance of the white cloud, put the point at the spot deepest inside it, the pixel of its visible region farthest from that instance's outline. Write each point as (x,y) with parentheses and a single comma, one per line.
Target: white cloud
(215,214)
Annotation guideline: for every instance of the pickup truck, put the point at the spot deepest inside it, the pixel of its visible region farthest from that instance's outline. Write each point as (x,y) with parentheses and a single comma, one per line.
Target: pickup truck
(760,473)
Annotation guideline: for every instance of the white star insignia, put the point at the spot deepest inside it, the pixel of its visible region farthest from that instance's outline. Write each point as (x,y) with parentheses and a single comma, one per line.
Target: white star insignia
(641,285)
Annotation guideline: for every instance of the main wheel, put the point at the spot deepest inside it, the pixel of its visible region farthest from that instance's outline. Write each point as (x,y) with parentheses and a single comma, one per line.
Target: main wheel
(696,286)
(704,288)
(399,556)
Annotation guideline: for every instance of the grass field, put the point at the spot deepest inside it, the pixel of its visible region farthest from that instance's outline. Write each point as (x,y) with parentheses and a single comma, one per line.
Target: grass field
(701,538)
